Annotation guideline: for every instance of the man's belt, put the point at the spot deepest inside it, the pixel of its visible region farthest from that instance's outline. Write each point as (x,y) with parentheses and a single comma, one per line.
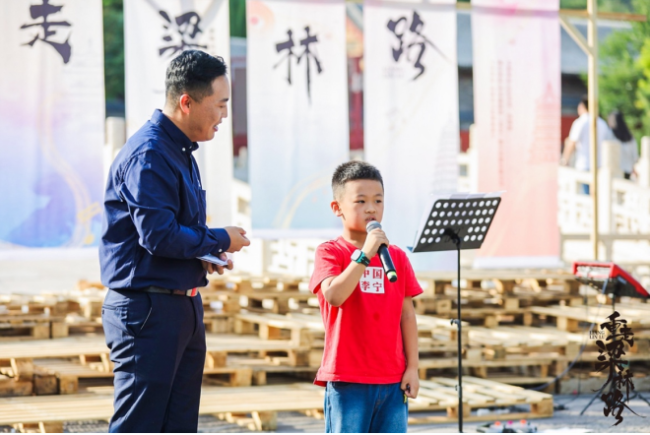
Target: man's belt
(153,289)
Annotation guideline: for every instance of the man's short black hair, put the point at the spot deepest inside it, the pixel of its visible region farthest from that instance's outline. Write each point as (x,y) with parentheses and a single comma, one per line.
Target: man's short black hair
(585,101)
(192,72)
(354,170)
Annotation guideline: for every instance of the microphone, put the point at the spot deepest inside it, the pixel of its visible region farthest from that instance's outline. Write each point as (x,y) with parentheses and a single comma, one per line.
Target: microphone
(384,255)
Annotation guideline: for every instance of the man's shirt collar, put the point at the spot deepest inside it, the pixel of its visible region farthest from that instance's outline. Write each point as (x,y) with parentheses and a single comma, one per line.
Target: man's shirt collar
(178,137)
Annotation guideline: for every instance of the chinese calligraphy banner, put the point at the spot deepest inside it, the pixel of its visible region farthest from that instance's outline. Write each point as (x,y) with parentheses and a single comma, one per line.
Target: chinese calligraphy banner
(298,128)
(156,31)
(517,114)
(411,111)
(51,123)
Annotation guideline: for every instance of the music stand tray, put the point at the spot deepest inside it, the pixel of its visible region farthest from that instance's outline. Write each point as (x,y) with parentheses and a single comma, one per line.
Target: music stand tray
(459,221)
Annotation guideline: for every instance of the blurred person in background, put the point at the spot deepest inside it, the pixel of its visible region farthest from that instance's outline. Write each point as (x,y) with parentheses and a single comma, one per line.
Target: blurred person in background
(578,140)
(629,148)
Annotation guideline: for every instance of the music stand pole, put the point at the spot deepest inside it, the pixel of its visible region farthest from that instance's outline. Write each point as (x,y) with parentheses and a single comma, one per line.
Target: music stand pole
(459,326)
(460,221)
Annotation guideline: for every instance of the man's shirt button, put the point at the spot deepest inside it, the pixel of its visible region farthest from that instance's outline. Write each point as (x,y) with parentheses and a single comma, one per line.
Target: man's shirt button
(183,149)
(220,250)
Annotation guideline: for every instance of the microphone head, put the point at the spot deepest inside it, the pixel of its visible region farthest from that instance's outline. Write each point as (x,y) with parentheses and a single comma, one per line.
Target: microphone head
(373,225)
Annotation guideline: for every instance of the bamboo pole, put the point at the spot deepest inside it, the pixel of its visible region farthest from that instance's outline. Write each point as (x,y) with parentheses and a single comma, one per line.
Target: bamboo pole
(592,55)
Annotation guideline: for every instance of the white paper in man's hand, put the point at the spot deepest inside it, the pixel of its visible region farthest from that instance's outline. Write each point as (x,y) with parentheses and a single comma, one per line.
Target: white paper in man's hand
(213,259)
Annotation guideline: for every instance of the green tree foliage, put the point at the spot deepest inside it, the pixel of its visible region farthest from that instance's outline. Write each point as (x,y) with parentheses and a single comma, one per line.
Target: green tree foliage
(603,5)
(114,49)
(238,18)
(624,79)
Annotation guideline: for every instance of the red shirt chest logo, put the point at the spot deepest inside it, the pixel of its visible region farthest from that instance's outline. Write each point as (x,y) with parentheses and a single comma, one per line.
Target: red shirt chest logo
(372,280)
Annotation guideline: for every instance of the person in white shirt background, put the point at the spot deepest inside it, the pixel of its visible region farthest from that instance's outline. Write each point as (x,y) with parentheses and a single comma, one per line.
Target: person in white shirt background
(578,140)
(629,147)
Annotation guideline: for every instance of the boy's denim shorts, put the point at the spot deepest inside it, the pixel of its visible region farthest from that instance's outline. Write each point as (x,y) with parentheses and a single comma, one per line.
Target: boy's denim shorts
(369,408)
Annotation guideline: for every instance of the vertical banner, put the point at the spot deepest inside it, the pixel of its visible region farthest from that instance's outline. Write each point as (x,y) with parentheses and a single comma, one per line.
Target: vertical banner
(297,114)
(51,123)
(411,111)
(517,93)
(155,32)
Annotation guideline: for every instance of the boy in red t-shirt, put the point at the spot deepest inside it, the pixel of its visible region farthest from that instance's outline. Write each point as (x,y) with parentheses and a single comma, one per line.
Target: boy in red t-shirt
(370,362)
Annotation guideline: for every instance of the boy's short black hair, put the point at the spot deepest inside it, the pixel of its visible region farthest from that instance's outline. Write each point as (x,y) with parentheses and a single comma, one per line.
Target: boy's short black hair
(192,72)
(354,170)
(584,100)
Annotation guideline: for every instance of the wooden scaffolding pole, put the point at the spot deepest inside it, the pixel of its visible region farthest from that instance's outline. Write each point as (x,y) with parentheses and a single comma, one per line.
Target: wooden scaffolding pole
(592,40)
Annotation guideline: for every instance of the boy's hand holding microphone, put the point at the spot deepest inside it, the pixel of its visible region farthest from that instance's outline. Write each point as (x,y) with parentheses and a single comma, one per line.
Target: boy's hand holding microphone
(377,236)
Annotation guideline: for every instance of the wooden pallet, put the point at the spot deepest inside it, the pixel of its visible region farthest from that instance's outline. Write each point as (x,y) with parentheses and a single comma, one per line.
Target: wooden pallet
(445,304)
(10,387)
(538,365)
(440,394)
(91,352)
(248,284)
(501,342)
(585,379)
(31,327)
(217,322)
(504,281)
(261,403)
(298,332)
(491,317)
(569,318)
(276,302)
(257,407)
(62,376)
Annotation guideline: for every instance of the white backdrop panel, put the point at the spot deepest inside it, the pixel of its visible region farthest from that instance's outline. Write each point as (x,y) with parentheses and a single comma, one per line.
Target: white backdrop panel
(51,123)
(411,111)
(298,128)
(517,94)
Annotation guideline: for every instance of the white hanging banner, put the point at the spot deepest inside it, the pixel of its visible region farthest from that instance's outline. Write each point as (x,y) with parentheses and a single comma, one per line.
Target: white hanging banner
(156,31)
(51,123)
(411,111)
(298,128)
(517,113)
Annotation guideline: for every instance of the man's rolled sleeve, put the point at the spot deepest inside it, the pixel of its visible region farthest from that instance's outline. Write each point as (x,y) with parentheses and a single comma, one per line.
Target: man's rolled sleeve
(150,189)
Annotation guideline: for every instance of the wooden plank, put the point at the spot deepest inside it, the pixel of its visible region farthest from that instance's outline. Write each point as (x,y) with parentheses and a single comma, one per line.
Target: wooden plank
(213,400)
(69,347)
(11,387)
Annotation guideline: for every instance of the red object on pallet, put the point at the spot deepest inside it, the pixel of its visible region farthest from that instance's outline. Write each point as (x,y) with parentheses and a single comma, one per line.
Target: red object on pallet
(619,282)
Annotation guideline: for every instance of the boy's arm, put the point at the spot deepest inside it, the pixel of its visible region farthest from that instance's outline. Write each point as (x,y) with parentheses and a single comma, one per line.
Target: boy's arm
(337,289)
(410,339)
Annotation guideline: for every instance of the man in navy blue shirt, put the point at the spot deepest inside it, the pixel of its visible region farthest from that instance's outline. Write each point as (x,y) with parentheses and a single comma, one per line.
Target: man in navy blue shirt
(154,229)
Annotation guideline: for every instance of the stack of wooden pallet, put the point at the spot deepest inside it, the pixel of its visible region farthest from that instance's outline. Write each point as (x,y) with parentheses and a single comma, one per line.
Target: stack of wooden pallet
(256,407)
(47,315)
(578,320)
(518,329)
(493,298)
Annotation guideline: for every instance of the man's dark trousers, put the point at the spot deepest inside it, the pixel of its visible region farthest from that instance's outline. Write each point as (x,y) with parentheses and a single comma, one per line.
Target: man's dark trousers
(157,342)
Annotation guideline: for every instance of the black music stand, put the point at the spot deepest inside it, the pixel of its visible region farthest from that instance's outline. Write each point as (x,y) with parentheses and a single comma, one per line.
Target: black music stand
(460,221)
(614,282)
